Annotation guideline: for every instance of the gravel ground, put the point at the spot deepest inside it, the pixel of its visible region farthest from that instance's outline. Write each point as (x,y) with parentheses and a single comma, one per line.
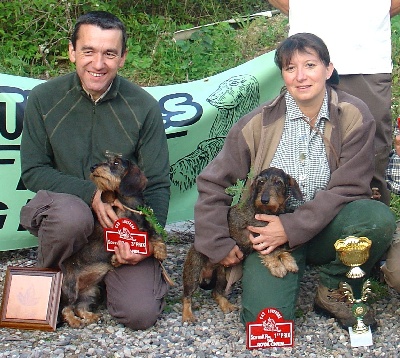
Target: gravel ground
(213,335)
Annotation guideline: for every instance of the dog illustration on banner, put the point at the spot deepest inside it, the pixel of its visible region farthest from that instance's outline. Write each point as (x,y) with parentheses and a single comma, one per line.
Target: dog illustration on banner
(235,97)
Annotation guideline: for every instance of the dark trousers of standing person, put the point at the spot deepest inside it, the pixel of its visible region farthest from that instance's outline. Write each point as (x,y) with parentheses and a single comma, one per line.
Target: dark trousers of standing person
(62,223)
(375,90)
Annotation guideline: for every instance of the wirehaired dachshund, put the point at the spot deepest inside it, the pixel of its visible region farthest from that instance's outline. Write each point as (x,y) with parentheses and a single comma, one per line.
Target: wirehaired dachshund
(120,179)
(269,194)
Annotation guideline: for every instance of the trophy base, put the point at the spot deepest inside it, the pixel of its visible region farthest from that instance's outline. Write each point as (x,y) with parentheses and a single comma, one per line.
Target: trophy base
(360,339)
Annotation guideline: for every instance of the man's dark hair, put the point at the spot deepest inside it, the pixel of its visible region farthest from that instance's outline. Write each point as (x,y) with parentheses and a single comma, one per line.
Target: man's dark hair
(102,19)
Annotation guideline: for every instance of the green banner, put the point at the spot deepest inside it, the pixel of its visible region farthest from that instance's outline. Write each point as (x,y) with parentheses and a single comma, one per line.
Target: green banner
(197,116)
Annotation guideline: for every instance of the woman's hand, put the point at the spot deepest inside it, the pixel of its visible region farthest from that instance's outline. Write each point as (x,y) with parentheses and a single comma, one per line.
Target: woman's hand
(270,236)
(234,257)
(126,257)
(104,211)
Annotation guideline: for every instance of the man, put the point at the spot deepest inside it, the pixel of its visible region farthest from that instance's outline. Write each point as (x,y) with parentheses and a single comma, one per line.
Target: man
(391,266)
(70,123)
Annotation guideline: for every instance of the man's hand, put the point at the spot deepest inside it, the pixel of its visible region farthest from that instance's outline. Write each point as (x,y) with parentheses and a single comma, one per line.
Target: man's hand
(104,211)
(125,256)
(234,257)
(282,5)
(270,236)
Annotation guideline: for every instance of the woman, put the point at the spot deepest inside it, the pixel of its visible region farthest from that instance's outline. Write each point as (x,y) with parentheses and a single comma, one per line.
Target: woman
(324,139)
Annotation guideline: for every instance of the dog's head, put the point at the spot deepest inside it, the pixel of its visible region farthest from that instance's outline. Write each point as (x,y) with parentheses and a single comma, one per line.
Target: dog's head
(118,175)
(271,189)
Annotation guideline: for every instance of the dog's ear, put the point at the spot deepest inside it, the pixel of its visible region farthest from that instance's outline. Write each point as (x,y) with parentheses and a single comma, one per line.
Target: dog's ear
(294,188)
(108,196)
(133,182)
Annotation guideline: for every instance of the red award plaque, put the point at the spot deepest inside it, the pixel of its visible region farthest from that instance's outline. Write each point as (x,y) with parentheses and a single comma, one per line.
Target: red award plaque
(126,230)
(269,330)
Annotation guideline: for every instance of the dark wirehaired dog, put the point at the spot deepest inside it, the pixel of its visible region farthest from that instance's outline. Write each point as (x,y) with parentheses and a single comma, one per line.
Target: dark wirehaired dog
(269,194)
(120,179)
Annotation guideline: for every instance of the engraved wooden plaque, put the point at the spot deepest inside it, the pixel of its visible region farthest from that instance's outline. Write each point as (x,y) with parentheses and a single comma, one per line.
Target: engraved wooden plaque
(31,298)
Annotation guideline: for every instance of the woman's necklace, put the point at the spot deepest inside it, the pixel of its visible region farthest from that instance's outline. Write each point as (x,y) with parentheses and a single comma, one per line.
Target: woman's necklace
(310,120)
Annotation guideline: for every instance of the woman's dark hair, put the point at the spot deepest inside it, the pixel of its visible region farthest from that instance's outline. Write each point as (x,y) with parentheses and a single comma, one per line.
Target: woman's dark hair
(304,42)
(102,19)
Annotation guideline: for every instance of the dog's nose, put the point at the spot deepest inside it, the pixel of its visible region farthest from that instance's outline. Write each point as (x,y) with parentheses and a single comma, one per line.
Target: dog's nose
(93,168)
(265,199)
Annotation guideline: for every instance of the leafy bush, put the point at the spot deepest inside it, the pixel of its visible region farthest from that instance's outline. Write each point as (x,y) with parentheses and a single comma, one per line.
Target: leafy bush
(396,66)
(35,37)
(34,34)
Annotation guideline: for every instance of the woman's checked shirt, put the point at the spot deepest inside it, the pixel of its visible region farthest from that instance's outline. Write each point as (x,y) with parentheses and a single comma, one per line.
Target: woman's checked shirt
(301,150)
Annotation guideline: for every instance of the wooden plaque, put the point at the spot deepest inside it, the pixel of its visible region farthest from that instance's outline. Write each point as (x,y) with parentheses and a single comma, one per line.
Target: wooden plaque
(31,298)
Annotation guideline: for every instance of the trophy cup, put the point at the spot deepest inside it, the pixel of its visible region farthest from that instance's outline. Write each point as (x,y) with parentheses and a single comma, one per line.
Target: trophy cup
(353,252)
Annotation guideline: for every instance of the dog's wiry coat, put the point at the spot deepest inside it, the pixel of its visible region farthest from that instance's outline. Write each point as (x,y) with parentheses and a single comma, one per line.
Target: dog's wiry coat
(269,193)
(82,272)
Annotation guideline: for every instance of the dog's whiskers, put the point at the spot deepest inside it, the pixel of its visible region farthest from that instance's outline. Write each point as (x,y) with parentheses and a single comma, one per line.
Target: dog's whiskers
(287,199)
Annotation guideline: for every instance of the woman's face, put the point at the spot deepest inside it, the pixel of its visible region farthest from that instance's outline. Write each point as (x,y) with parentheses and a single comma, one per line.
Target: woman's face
(305,78)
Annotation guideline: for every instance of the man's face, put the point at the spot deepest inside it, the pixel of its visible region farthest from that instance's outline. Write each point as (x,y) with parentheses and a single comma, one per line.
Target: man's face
(97,57)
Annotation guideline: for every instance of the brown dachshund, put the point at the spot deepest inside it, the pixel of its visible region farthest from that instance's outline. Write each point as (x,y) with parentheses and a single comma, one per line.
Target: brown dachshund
(120,179)
(269,194)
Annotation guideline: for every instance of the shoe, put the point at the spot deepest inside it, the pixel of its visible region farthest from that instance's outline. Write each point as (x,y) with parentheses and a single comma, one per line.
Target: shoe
(376,195)
(390,268)
(334,303)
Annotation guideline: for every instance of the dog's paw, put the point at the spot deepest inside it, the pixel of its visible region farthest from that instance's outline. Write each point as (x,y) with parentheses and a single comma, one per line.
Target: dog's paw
(187,314)
(114,261)
(87,316)
(159,250)
(68,316)
(227,307)
(289,262)
(188,317)
(278,270)
(223,303)
(274,265)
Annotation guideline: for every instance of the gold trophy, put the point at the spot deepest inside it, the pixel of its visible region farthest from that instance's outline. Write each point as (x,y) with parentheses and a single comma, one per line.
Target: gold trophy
(353,252)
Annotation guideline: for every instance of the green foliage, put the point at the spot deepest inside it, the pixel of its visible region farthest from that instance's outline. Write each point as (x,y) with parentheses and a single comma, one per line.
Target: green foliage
(236,190)
(395,205)
(197,12)
(396,67)
(152,220)
(170,303)
(239,188)
(395,199)
(379,291)
(299,313)
(35,33)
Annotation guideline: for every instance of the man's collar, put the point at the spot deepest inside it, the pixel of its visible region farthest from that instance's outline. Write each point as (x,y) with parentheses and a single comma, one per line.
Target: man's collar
(102,96)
